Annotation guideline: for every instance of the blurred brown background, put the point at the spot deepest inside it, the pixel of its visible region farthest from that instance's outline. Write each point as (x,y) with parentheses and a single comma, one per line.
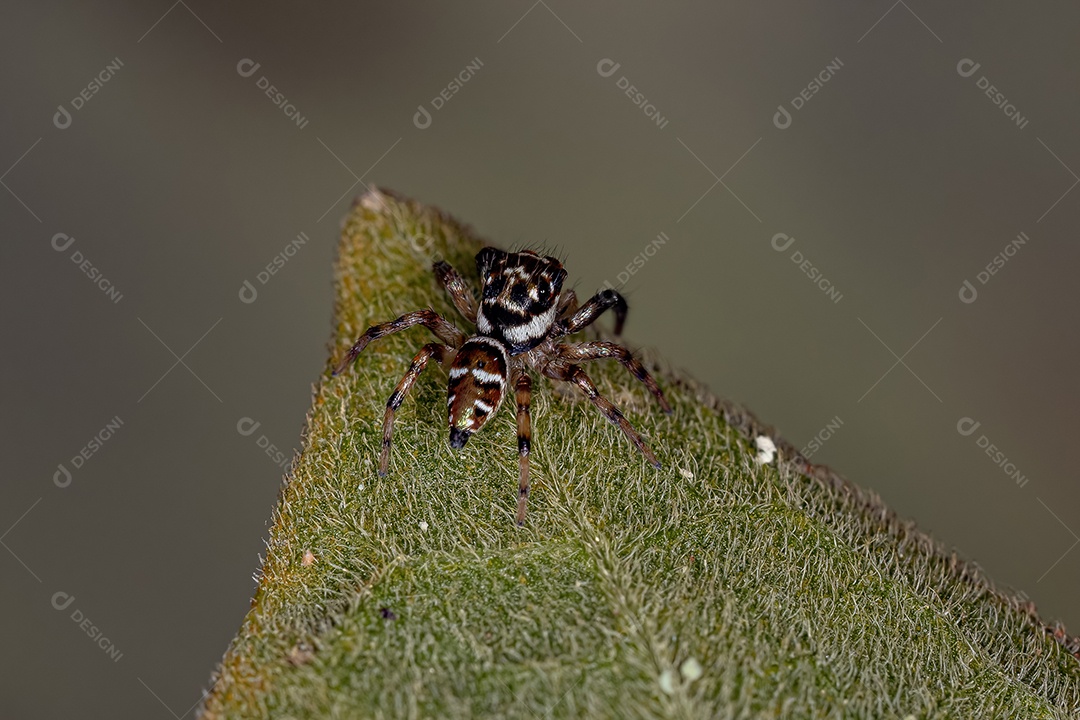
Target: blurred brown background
(138,139)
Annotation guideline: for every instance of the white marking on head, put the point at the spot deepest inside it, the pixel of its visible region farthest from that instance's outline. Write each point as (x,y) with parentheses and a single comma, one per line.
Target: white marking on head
(535,328)
(481,405)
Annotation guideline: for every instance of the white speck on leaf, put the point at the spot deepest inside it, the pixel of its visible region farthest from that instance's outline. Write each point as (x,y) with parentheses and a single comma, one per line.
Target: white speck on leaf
(766,449)
(423,525)
(667,681)
(691,669)
(686,473)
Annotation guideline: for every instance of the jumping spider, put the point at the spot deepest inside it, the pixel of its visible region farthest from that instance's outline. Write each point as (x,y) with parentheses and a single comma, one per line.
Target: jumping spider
(523,313)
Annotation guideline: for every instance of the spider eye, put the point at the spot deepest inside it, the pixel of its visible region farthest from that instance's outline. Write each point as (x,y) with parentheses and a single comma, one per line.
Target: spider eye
(544,292)
(493,286)
(519,294)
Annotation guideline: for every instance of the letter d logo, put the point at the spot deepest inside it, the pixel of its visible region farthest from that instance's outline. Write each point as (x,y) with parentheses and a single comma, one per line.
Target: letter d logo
(967,67)
(62,118)
(607,67)
(248,293)
(61,600)
(968,293)
(966,426)
(61,242)
(62,477)
(247,67)
(783,238)
(782,118)
(246,426)
(422,118)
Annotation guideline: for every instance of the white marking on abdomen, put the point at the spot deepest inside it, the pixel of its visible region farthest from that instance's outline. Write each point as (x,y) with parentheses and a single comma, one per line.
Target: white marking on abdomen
(490,341)
(486,377)
(458,371)
(481,405)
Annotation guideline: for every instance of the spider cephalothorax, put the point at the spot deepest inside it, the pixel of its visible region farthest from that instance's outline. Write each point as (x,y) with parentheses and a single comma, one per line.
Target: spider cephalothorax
(520,297)
(522,315)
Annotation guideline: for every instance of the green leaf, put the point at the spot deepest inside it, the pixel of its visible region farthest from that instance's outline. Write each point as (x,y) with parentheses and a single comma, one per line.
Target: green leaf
(714,587)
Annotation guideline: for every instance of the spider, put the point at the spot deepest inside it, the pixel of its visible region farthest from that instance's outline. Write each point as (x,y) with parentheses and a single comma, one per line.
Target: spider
(522,316)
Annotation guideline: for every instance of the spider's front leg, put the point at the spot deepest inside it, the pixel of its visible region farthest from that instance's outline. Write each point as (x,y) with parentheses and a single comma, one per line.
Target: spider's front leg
(582,352)
(568,305)
(523,395)
(561,369)
(602,301)
(459,291)
(432,350)
(440,326)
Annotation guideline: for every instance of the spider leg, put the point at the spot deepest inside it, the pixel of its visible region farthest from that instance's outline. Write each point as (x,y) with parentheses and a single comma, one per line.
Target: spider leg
(459,292)
(581,352)
(568,304)
(436,350)
(523,395)
(440,326)
(576,375)
(604,300)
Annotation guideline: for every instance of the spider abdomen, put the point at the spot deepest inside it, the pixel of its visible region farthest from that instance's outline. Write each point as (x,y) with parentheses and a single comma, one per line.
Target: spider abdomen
(477,382)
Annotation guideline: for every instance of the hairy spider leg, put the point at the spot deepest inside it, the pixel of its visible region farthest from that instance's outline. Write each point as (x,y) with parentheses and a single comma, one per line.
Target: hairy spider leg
(602,301)
(440,326)
(568,304)
(585,351)
(431,350)
(576,375)
(523,395)
(459,291)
